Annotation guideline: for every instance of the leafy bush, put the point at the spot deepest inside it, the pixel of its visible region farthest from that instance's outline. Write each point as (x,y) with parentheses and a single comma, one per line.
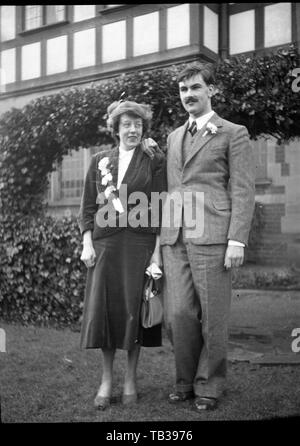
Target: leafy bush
(41,276)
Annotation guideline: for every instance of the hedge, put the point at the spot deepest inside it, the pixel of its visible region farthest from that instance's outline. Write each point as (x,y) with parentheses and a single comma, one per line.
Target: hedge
(42,279)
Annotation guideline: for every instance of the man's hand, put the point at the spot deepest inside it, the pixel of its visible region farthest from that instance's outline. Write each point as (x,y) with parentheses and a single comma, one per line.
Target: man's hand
(150,147)
(234,256)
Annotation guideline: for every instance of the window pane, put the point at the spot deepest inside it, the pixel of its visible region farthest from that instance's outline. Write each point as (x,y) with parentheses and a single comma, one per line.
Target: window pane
(211,30)
(178,26)
(8,23)
(145,32)
(8,67)
(83,12)
(278,24)
(55,13)
(57,55)
(241,28)
(114,41)
(31,61)
(84,48)
(72,174)
(33,16)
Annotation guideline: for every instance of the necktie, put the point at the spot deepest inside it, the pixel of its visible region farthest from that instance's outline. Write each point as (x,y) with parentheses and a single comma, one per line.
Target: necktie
(193,128)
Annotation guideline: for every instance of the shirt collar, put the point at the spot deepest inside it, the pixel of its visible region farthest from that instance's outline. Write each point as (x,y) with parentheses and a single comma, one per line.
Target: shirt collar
(202,120)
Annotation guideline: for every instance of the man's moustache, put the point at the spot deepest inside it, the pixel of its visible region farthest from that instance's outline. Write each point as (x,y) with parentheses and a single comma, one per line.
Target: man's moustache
(190,100)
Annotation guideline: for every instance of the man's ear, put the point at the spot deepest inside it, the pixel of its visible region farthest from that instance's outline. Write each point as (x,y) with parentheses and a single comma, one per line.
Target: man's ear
(211,90)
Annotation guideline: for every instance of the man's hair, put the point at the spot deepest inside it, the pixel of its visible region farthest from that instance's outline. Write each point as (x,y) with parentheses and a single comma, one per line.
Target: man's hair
(205,69)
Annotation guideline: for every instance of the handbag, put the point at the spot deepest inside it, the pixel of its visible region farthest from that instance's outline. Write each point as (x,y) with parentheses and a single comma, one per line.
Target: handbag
(151,310)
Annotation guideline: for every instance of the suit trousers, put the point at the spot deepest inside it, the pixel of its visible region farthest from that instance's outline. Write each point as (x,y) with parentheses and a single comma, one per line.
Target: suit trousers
(197,303)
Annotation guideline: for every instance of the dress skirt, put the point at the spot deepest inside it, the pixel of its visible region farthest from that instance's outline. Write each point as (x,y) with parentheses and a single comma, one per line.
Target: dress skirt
(113,294)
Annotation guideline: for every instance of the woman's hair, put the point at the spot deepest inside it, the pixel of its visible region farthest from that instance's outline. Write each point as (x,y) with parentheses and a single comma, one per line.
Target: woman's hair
(205,69)
(117,109)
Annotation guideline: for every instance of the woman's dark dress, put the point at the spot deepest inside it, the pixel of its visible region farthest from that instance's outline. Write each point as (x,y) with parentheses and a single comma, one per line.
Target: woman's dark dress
(114,286)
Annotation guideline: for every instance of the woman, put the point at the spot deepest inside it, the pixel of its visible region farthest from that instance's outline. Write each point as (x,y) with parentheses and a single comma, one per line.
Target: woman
(116,249)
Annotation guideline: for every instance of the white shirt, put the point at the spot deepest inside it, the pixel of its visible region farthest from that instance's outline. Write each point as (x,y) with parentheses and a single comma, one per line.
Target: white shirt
(124,160)
(201,121)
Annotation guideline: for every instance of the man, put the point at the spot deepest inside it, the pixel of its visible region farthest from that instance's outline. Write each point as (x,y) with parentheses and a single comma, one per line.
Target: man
(211,158)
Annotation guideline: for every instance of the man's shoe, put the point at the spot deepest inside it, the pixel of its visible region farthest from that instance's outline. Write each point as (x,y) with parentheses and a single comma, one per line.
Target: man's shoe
(178,397)
(205,403)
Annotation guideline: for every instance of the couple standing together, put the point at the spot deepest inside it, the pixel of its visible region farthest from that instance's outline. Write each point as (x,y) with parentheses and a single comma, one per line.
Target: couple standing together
(209,156)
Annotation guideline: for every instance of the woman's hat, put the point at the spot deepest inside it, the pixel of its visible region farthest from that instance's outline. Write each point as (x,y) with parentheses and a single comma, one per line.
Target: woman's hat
(118,108)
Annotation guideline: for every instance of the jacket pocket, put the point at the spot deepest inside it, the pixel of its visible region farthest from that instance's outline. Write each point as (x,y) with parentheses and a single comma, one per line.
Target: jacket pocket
(222,205)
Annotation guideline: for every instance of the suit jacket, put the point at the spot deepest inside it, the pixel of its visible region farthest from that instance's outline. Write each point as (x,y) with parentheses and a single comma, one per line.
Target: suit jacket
(98,214)
(219,176)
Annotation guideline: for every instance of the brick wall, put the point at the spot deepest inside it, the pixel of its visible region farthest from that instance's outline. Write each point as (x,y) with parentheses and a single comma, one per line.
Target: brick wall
(279,194)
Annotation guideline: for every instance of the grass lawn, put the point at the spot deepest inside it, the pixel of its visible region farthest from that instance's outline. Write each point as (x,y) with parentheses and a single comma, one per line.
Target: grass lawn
(46,378)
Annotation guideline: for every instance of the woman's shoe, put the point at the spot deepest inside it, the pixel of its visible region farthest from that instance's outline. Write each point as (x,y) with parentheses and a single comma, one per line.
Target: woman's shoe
(102,402)
(129,398)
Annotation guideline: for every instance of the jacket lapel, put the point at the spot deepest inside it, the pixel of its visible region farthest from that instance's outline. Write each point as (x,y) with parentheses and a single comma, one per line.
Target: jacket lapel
(114,164)
(178,145)
(203,137)
(132,167)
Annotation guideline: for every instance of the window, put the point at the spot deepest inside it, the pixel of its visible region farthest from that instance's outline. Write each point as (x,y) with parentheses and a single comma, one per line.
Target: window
(36,16)
(211,30)
(55,13)
(241,28)
(278,24)
(7,23)
(145,34)
(57,55)
(178,26)
(72,174)
(114,41)
(31,61)
(84,12)
(8,67)
(84,48)
(33,16)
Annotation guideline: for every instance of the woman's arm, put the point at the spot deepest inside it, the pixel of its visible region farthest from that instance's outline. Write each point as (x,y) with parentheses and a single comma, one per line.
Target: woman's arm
(88,206)
(85,219)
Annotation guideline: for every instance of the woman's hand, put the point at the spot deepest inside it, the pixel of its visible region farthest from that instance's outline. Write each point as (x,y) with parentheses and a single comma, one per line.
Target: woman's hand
(88,256)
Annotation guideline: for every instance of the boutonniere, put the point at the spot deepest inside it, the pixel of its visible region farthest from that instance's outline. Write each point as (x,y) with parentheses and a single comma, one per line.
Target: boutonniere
(210,128)
(106,180)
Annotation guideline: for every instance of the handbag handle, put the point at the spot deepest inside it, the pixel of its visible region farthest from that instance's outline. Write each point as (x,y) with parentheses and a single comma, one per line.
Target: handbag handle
(149,288)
